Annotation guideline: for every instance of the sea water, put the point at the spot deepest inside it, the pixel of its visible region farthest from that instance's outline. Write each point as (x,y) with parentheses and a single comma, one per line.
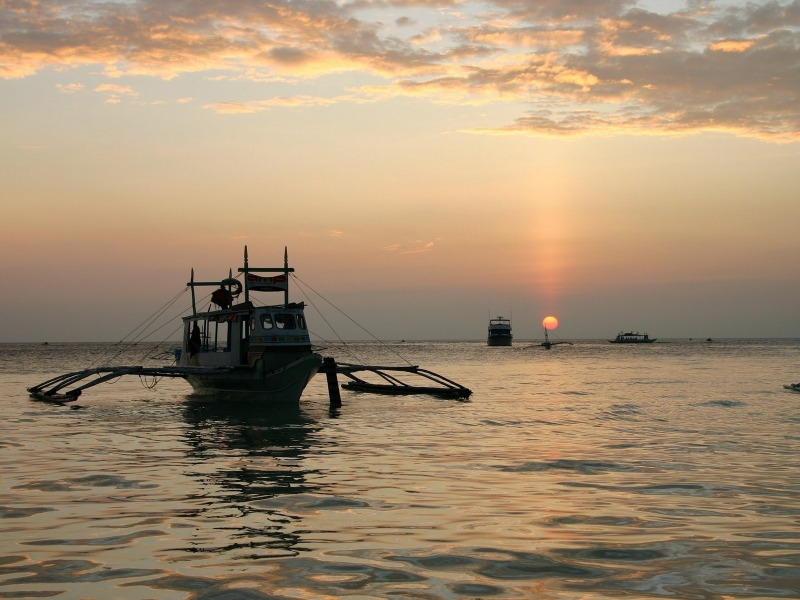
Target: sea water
(587,471)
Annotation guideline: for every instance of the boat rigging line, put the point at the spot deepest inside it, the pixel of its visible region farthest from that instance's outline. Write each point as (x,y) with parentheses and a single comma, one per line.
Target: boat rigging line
(301,282)
(121,347)
(144,326)
(345,347)
(149,353)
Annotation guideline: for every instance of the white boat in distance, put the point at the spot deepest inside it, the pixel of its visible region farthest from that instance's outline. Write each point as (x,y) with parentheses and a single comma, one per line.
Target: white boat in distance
(499,332)
(632,338)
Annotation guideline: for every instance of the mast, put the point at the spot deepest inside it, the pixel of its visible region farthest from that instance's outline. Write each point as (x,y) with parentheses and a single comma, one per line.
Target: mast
(191,285)
(286,274)
(247,269)
(246,277)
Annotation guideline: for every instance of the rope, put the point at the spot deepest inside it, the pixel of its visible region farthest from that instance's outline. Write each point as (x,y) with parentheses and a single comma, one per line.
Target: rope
(400,356)
(143,381)
(144,326)
(344,344)
(150,352)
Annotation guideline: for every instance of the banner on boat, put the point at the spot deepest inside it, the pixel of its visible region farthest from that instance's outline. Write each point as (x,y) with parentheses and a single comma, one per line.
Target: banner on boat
(256,283)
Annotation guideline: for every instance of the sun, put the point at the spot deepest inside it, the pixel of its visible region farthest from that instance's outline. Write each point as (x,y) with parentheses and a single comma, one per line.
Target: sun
(550,322)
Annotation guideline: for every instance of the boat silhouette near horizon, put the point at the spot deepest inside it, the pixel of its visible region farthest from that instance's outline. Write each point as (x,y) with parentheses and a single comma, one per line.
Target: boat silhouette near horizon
(499,332)
(632,338)
(240,351)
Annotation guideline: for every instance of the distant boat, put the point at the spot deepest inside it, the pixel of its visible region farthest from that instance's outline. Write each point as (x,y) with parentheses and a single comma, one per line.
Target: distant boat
(499,332)
(547,344)
(632,338)
(793,387)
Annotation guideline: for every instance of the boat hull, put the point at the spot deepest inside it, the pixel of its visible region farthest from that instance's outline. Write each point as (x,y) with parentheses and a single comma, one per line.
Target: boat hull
(499,340)
(794,387)
(283,385)
(632,341)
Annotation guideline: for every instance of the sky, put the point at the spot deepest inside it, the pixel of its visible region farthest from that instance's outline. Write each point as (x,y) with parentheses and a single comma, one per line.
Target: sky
(620,164)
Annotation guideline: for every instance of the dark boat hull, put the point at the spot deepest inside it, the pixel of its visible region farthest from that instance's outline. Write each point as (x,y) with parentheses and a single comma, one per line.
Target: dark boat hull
(284,385)
(499,340)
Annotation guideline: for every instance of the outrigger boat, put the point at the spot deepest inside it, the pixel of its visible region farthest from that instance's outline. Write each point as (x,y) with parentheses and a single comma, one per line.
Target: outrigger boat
(547,344)
(243,351)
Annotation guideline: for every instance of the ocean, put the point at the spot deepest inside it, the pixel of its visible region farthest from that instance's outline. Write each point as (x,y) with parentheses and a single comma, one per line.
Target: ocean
(591,470)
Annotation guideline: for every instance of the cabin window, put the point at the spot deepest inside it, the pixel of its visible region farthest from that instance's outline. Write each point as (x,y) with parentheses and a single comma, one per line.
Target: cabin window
(301,322)
(252,323)
(266,321)
(284,321)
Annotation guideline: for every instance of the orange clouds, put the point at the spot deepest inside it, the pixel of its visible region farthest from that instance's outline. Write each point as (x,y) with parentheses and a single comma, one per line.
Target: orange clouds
(606,66)
(732,45)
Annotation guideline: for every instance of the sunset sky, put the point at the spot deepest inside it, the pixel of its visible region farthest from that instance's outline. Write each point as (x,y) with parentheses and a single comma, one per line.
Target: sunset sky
(618,164)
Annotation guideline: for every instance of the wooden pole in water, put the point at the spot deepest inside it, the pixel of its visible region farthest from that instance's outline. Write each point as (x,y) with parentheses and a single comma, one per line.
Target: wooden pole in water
(329,367)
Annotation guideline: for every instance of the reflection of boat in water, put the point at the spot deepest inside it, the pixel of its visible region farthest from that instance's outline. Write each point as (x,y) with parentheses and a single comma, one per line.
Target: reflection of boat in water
(632,338)
(499,332)
(245,456)
(794,387)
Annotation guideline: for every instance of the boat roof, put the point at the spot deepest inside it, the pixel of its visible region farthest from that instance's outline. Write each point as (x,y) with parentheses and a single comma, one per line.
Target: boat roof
(244,308)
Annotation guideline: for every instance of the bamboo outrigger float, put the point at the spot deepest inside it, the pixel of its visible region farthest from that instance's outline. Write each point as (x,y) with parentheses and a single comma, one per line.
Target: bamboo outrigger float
(444,387)
(254,353)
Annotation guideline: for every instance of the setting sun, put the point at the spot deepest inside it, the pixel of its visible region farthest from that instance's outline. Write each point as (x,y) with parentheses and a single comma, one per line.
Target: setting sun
(550,322)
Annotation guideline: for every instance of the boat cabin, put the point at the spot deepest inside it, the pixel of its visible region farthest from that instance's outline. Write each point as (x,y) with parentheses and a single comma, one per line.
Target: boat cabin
(500,326)
(242,334)
(239,335)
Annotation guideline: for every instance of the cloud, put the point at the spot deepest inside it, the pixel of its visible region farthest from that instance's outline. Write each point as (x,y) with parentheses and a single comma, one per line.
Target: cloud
(70,88)
(575,67)
(253,106)
(424,248)
(183,100)
(110,88)
(412,247)
(114,92)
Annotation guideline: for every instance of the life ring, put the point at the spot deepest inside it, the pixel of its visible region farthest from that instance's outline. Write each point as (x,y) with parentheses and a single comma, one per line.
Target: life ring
(236,285)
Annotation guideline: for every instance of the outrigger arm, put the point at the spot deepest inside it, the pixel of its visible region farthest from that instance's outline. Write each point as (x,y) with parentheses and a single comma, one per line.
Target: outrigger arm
(55,389)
